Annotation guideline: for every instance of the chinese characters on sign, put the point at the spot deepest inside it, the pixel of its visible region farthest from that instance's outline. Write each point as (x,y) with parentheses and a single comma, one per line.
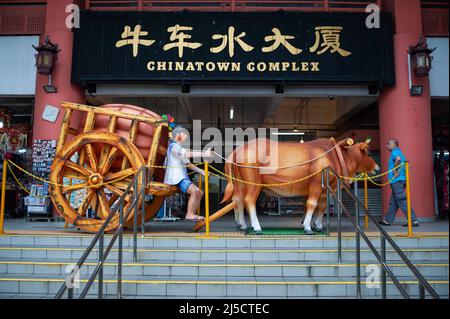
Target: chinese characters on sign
(294,47)
(327,38)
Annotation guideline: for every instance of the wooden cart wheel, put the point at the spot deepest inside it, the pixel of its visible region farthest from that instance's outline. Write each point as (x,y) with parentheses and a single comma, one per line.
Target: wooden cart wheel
(105,167)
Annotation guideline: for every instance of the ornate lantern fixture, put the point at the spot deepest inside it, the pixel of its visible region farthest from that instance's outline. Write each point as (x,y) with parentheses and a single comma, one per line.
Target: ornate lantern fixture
(45,61)
(421,58)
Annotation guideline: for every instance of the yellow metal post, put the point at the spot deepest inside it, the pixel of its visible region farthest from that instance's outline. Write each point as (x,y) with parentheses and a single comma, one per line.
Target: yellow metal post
(408,200)
(207,198)
(2,208)
(366,204)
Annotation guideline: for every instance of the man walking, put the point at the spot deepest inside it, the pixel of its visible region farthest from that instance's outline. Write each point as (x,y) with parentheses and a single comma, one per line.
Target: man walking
(397,180)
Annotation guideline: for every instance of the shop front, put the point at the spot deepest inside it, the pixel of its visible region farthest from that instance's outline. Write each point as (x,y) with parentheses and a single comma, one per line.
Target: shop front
(303,73)
(309,74)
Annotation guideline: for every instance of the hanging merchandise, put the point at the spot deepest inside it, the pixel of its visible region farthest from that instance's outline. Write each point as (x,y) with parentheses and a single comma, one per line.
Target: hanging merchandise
(43,154)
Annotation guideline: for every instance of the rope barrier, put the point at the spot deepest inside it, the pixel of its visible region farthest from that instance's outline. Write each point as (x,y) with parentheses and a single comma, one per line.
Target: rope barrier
(360,177)
(66,186)
(283,167)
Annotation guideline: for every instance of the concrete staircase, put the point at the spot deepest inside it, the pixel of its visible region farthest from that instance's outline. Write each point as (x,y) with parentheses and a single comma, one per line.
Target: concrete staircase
(34,266)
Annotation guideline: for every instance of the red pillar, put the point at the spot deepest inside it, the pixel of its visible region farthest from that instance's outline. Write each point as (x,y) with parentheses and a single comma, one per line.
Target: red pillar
(406,117)
(55,28)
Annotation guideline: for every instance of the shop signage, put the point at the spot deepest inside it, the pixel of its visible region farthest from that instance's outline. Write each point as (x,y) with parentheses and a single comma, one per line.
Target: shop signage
(186,46)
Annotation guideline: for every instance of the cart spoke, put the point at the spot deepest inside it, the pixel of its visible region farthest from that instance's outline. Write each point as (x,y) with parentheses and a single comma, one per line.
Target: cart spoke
(109,161)
(70,173)
(113,199)
(123,184)
(86,202)
(104,209)
(72,188)
(82,170)
(120,175)
(117,191)
(91,157)
(103,155)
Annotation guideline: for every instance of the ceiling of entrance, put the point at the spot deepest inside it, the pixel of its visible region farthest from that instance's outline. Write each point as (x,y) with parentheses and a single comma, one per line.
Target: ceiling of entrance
(323,115)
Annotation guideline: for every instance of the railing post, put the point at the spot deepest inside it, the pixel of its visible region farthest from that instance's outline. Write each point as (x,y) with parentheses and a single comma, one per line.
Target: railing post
(408,200)
(100,260)
(358,247)
(207,198)
(144,186)
(2,208)
(383,263)
(338,206)
(366,204)
(421,291)
(328,200)
(70,291)
(119,262)
(135,217)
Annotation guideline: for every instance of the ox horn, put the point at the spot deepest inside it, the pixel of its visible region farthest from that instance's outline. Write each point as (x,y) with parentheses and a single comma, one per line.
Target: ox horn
(350,141)
(368,140)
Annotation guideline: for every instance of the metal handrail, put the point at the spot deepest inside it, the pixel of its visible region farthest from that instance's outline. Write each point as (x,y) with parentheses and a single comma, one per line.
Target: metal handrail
(423,283)
(99,237)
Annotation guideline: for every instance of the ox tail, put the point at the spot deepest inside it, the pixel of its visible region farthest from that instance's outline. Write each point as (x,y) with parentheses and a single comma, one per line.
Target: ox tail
(229,189)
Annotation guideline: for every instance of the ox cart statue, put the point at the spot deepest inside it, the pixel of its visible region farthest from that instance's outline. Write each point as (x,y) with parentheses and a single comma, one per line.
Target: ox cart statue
(100,161)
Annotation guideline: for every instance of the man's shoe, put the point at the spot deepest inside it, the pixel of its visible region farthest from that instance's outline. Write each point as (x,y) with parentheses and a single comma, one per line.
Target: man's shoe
(413,224)
(382,222)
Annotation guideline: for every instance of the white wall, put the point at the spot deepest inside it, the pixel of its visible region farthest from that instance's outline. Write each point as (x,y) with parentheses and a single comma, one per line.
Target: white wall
(17,70)
(439,72)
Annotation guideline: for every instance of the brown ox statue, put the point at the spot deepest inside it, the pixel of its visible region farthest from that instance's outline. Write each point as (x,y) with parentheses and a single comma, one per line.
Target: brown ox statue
(345,160)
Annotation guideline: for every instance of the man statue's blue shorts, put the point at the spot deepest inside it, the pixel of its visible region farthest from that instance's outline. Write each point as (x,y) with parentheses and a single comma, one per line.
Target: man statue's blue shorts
(184,185)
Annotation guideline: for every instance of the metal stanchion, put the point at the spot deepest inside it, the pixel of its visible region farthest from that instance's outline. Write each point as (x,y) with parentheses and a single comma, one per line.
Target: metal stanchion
(383,263)
(366,204)
(339,201)
(119,257)
(408,200)
(358,246)
(144,184)
(2,208)
(135,218)
(328,200)
(207,199)
(100,260)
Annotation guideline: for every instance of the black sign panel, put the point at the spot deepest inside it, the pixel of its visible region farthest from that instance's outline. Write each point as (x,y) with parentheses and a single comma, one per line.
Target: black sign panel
(111,47)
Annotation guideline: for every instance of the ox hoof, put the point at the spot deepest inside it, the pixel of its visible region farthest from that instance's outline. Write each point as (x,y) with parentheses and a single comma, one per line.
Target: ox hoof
(309,232)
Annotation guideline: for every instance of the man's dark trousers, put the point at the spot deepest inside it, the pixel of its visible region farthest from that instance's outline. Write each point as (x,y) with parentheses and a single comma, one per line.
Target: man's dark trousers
(398,200)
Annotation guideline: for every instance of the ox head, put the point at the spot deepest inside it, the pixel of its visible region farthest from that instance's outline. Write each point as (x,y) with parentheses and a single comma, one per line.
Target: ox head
(360,153)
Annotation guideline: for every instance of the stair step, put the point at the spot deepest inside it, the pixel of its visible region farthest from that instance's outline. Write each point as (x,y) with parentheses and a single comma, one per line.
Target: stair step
(239,242)
(206,255)
(238,269)
(215,288)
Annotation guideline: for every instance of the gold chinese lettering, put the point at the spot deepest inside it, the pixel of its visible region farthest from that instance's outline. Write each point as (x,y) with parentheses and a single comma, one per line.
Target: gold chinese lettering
(229,39)
(278,39)
(176,34)
(134,38)
(330,40)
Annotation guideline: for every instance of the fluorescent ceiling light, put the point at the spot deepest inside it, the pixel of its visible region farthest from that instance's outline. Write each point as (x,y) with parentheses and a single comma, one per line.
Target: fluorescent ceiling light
(288,133)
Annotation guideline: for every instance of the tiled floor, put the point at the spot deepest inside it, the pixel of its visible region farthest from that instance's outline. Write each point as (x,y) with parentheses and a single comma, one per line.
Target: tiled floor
(224,227)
